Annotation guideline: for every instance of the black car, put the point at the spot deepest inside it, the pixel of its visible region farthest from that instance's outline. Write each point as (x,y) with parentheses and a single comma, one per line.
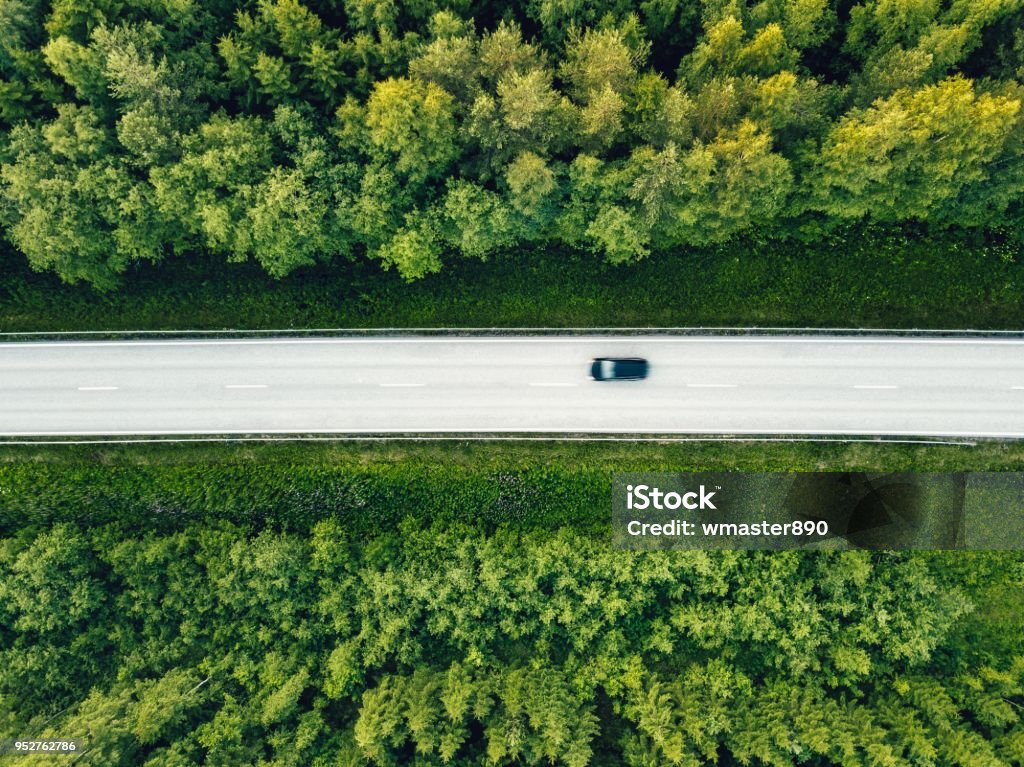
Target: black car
(618,369)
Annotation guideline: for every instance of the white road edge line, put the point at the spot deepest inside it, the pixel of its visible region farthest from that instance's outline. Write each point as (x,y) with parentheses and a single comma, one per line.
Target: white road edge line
(401,385)
(467,438)
(593,340)
(337,431)
(711,386)
(245,386)
(870,386)
(553,384)
(97,388)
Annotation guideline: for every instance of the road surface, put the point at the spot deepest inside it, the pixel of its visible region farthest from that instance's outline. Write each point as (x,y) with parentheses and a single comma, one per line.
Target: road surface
(698,384)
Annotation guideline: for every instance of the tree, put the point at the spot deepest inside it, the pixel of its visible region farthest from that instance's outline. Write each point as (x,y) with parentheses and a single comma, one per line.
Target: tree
(477,221)
(718,106)
(77,210)
(597,60)
(717,55)
(503,52)
(619,234)
(55,607)
(26,84)
(281,52)
(77,18)
(884,32)
(793,109)
(661,113)
(912,155)
(78,66)
(601,120)
(156,100)
(806,23)
(881,24)
(287,219)
(412,122)
(534,191)
(710,193)
(528,114)
(414,250)
(292,218)
(376,210)
(451,59)
(557,20)
(212,187)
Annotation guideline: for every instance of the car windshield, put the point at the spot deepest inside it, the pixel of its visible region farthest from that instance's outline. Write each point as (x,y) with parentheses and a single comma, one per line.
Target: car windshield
(607,369)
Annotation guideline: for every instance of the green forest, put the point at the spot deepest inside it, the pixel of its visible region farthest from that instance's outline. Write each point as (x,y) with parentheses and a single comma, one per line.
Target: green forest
(408,134)
(226,647)
(326,606)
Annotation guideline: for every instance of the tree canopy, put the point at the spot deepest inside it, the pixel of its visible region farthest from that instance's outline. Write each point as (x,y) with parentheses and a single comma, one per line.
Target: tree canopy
(223,645)
(408,133)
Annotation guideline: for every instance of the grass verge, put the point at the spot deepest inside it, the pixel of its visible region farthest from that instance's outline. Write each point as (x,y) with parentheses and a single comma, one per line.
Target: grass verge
(862,277)
(375,485)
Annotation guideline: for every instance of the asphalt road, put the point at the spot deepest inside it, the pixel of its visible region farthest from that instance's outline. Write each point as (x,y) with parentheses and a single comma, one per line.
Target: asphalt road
(704,385)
